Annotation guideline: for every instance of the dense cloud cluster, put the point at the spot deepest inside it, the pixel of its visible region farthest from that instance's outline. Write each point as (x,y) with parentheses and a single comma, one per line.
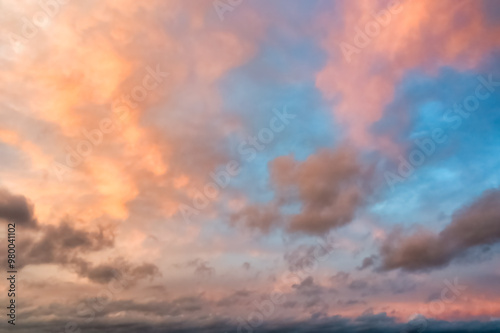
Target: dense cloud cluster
(328,187)
(474,225)
(182,87)
(373,323)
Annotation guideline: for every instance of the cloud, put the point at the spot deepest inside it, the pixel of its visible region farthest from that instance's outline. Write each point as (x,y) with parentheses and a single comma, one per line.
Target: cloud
(358,285)
(350,302)
(105,273)
(101,273)
(471,226)
(367,262)
(60,244)
(236,298)
(202,268)
(306,258)
(65,245)
(164,308)
(308,288)
(410,39)
(17,209)
(329,186)
(92,55)
(340,278)
(374,323)
(258,217)
(98,64)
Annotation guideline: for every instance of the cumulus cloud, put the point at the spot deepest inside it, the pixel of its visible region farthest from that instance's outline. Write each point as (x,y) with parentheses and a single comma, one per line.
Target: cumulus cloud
(358,285)
(16,209)
(367,262)
(471,226)
(60,244)
(329,186)
(105,273)
(201,267)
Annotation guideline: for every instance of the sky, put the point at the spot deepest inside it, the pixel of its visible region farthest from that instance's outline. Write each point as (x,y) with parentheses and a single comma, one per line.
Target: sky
(251,165)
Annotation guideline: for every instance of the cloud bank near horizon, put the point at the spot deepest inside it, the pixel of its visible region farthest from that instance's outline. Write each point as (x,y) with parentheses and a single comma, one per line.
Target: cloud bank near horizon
(174,161)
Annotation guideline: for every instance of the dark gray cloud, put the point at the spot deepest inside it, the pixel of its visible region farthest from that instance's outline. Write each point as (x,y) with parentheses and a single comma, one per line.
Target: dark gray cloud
(64,244)
(16,209)
(100,274)
(329,186)
(59,244)
(474,225)
(202,268)
(372,323)
(367,262)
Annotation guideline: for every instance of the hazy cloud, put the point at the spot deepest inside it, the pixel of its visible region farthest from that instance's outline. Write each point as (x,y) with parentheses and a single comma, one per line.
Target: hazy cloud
(65,245)
(367,262)
(373,323)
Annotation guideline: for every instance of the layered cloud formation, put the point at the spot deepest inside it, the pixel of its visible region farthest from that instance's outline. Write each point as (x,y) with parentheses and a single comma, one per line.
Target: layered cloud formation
(213,166)
(328,187)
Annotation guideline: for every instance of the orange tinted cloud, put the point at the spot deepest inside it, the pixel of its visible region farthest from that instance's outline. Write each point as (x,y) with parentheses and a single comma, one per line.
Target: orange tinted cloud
(74,70)
(422,35)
